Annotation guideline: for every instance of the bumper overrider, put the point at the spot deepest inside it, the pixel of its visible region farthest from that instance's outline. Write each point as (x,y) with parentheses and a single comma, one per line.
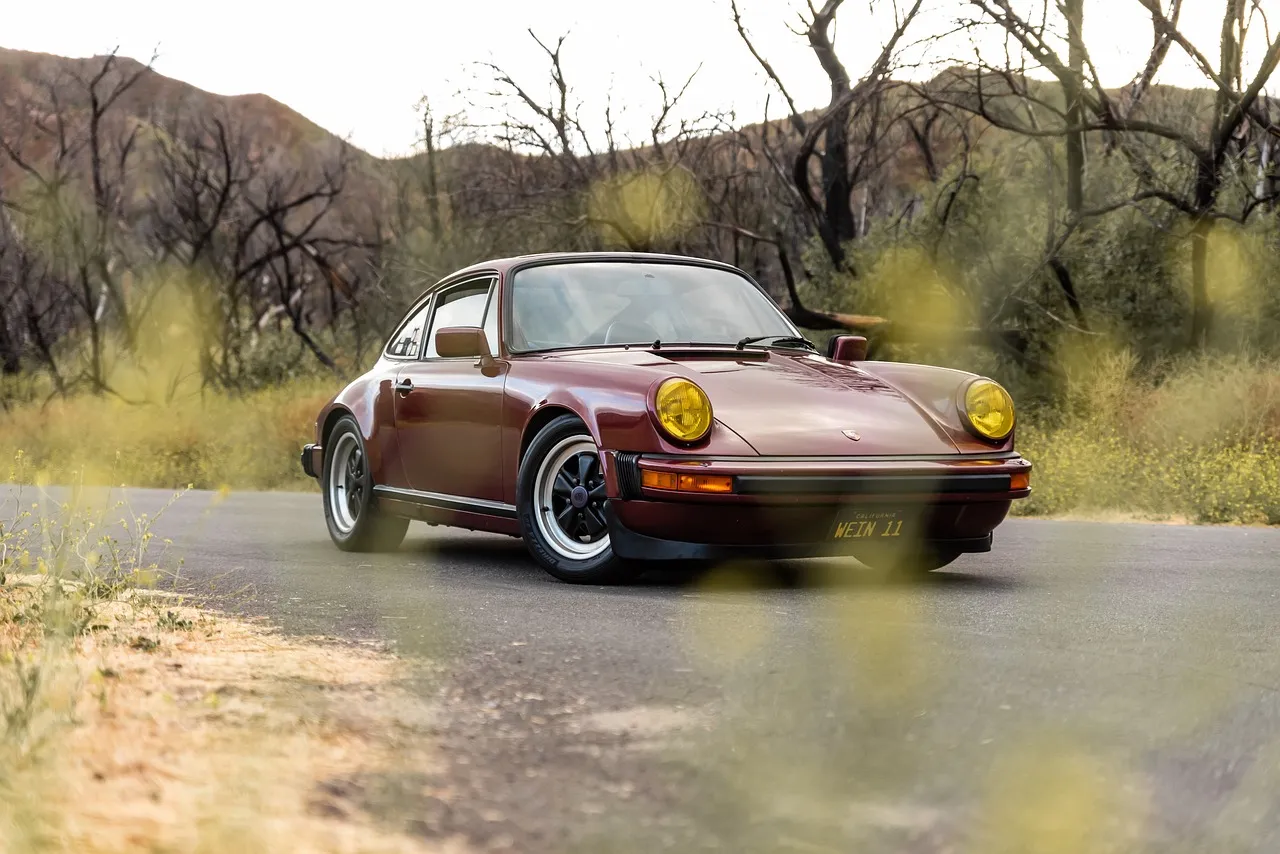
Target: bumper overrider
(715,508)
(312,460)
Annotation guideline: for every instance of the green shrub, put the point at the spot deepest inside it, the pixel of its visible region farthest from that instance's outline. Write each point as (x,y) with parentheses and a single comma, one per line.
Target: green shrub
(1200,443)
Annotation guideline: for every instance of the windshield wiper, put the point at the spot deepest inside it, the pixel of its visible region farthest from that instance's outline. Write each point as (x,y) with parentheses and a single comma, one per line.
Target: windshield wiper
(774,340)
(778,341)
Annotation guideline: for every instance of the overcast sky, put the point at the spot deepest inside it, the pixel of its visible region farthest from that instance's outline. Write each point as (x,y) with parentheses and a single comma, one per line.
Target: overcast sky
(357,68)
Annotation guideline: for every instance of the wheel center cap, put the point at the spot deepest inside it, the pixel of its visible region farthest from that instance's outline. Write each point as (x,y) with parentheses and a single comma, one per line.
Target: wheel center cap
(578,497)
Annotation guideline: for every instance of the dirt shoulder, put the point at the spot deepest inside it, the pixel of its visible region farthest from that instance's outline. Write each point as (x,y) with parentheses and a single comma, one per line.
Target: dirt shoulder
(165,727)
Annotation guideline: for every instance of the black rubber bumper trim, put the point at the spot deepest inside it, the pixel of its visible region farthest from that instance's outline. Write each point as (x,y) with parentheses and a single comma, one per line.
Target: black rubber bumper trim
(306,461)
(1000,456)
(440,501)
(629,545)
(873,484)
(628,474)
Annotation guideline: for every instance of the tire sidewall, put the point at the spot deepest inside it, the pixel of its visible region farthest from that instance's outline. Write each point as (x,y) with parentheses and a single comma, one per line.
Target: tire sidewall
(364,519)
(602,568)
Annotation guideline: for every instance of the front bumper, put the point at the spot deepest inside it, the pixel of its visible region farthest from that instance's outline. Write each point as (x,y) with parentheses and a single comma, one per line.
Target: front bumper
(951,478)
(630,545)
(312,460)
(790,507)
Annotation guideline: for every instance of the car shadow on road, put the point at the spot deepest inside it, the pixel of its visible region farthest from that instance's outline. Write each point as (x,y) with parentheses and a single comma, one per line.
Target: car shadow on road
(506,558)
(809,575)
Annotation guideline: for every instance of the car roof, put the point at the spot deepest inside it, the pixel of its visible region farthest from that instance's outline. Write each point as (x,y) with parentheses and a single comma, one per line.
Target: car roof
(503,265)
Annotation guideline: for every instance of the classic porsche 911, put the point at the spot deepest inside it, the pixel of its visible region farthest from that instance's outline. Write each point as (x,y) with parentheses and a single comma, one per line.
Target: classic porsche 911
(619,409)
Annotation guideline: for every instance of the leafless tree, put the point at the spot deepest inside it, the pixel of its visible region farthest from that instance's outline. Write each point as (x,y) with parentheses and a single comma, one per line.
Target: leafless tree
(584,183)
(254,235)
(831,136)
(34,311)
(1208,153)
(75,150)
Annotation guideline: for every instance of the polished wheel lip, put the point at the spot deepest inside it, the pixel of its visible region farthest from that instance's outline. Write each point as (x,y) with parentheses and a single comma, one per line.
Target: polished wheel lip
(553,466)
(346,483)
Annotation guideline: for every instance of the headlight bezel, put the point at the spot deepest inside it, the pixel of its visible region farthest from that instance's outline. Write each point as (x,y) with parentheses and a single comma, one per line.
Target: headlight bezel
(655,398)
(967,420)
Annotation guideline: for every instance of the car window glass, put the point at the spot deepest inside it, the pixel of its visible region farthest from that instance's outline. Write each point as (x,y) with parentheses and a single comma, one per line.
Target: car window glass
(553,315)
(586,304)
(462,306)
(410,335)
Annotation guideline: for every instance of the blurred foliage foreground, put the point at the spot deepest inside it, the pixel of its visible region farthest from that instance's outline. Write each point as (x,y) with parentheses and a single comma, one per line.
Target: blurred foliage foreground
(1199,441)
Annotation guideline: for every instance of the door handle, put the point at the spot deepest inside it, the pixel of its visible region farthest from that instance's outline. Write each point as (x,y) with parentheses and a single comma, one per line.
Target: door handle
(404,386)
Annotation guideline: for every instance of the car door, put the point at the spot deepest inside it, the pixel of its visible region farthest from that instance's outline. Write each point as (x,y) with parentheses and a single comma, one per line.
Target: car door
(448,410)
(404,348)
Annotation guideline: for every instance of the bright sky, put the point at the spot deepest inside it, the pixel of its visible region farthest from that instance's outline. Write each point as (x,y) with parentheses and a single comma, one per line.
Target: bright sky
(357,69)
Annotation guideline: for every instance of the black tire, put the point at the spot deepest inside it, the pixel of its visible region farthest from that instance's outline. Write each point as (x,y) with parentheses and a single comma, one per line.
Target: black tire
(359,525)
(553,548)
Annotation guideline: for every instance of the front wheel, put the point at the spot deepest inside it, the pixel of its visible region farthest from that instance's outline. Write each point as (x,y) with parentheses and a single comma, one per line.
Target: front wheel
(356,524)
(561,500)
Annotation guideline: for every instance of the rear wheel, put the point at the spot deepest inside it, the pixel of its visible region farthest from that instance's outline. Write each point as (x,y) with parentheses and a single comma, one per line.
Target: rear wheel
(356,524)
(561,500)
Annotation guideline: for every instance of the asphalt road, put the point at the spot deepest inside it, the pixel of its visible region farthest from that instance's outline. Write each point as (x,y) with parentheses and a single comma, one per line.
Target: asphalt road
(1085,687)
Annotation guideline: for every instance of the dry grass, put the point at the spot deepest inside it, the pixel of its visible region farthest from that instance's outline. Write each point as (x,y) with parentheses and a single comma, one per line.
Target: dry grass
(242,442)
(173,729)
(133,721)
(1201,445)
(1118,517)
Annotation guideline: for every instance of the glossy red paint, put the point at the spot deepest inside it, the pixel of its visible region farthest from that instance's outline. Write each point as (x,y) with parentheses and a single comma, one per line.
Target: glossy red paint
(454,404)
(456,426)
(936,391)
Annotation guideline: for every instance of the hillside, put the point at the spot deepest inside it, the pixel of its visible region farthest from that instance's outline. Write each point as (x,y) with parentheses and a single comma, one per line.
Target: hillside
(481,178)
(37,88)
(26,78)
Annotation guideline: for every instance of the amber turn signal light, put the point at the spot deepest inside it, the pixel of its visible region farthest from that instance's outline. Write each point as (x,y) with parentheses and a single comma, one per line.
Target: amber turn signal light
(1021,480)
(659,480)
(704,483)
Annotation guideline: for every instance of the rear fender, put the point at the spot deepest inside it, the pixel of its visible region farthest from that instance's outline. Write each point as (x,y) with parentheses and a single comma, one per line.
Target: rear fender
(369,400)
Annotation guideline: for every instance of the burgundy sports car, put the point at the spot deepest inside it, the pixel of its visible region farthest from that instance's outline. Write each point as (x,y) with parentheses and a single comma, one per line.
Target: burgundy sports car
(618,409)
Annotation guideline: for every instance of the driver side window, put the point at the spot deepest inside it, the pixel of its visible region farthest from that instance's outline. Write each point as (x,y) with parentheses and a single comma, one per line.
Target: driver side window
(461,306)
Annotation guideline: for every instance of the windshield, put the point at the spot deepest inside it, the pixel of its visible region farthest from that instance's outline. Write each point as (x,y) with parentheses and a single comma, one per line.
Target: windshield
(591,304)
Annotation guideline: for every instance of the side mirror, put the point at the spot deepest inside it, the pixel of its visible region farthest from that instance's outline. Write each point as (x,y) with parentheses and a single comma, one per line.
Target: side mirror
(462,342)
(847,348)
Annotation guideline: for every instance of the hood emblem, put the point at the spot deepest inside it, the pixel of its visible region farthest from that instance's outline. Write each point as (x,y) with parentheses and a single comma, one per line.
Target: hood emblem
(853,434)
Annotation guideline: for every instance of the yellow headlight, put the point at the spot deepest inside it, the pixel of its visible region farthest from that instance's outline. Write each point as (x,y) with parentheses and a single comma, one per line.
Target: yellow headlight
(989,409)
(683,410)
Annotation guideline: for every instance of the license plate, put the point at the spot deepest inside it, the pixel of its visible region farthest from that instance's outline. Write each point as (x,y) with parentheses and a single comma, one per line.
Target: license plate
(869,525)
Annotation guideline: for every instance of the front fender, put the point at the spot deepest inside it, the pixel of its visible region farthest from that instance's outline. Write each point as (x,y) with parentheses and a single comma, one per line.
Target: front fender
(620,420)
(611,400)
(934,390)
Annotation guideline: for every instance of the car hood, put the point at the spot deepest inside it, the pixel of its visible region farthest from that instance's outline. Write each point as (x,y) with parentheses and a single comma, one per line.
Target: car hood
(788,404)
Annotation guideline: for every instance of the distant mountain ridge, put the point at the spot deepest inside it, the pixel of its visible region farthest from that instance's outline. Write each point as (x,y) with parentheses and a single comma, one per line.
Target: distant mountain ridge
(38,82)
